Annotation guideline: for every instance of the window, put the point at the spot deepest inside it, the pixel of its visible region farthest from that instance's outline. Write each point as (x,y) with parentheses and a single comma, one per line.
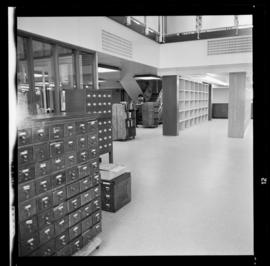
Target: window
(48,72)
(22,76)
(44,78)
(86,70)
(67,74)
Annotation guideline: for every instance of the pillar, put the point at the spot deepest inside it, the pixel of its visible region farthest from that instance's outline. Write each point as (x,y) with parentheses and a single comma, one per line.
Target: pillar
(239,105)
(170,113)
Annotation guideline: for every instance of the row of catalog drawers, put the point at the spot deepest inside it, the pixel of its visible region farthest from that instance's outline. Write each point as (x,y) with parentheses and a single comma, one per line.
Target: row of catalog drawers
(59,162)
(61,199)
(99,102)
(55,132)
(105,143)
(39,169)
(44,151)
(56,236)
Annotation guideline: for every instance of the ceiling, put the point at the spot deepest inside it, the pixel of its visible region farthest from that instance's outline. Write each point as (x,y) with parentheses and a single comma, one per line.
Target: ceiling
(218,76)
(126,66)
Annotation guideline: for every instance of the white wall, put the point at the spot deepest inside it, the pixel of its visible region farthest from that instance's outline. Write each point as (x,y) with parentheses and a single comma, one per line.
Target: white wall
(86,32)
(220,95)
(194,53)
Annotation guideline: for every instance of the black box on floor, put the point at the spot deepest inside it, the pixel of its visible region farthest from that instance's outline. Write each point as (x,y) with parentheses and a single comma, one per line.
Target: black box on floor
(115,192)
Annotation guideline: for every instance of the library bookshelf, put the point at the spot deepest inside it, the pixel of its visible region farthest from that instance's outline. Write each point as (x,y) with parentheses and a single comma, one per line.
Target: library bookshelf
(193,103)
(185,104)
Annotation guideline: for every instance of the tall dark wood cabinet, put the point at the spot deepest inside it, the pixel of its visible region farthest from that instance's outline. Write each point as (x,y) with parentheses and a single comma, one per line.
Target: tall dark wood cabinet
(59,204)
(124,121)
(150,114)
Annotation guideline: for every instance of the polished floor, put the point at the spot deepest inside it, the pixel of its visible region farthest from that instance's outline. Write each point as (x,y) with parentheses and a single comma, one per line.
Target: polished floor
(191,194)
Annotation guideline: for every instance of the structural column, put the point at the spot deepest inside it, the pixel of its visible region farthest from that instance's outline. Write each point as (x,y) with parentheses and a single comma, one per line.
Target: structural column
(239,105)
(170,115)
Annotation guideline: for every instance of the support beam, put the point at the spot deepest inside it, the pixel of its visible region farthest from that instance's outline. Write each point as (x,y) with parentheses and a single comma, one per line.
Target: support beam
(239,105)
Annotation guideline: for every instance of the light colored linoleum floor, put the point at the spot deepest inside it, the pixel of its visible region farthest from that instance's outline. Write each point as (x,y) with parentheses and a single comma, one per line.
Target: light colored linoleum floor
(191,194)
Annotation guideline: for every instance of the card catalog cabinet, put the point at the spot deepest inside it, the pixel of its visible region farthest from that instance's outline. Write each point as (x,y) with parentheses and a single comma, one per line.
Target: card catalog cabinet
(95,102)
(116,193)
(58,182)
(100,102)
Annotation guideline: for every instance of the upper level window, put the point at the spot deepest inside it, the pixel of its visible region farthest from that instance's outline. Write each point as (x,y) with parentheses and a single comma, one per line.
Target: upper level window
(66,64)
(22,76)
(49,74)
(67,74)
(86,70)
(44,78)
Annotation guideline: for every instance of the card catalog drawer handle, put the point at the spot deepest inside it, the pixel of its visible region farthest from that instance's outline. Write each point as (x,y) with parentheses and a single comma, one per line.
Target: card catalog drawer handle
(26,172)
(27,209)
(56,130)
(74,202)
(61,222)
(59,193)
(30,242)
(41,132)
(63,239)
(57,161)
(22,135)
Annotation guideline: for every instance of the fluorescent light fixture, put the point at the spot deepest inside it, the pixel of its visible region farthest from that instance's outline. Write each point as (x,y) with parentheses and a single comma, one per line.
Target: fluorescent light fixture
(212,80)
(146,77)
(37,75)
(104,68)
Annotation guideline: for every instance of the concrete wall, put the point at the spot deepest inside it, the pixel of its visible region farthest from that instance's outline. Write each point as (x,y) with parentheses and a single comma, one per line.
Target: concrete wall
(220,95)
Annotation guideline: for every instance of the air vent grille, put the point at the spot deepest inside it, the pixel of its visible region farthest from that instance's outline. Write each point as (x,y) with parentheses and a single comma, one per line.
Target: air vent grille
(229,45)
(116,44)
